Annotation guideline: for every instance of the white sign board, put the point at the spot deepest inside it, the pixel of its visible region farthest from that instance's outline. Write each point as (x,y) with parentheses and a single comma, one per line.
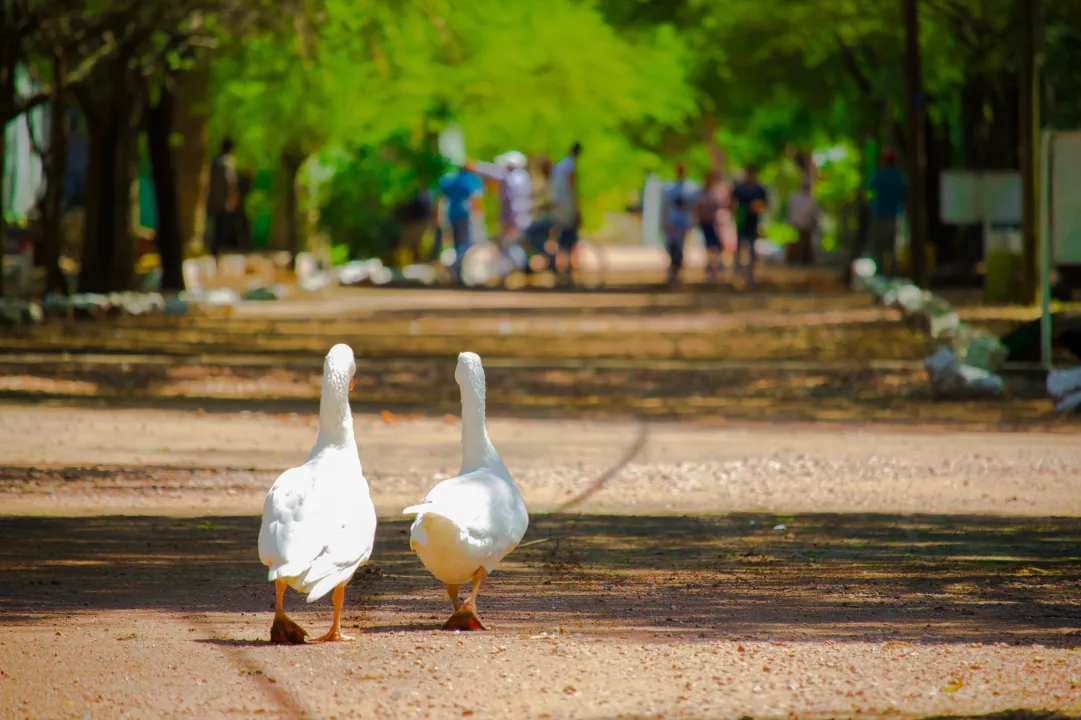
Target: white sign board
(1066,197)
(651,212)
(960,200)
(969,197)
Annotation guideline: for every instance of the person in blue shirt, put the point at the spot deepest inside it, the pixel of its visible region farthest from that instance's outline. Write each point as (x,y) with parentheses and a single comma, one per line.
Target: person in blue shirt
(677,221)
(890,190)
(460,187)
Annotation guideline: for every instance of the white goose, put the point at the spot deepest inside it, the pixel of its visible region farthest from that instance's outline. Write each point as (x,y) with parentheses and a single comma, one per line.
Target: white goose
(318,519)
(469,523)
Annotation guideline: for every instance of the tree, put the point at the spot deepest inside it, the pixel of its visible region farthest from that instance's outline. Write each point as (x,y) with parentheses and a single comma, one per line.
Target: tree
(531,74)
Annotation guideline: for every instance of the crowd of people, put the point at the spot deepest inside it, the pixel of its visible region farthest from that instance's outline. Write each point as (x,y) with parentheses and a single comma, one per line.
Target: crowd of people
(709,206)
(540,213)
(685,204)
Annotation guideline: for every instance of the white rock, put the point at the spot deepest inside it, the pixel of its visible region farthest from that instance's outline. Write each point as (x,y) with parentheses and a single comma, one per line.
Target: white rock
(950,378)
(315,281)
(1064,386)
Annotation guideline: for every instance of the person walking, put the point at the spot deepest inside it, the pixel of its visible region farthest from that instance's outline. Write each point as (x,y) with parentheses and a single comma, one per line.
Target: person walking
(461,188)
(540,229)
(707,205)
(750,199)
(515,195)
(676,221)
(890,190)
(803,216)
(566,208)
(223,202)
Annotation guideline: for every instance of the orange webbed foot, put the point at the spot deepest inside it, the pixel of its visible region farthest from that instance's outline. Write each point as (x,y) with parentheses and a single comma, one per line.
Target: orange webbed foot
(464,618)
(286,632)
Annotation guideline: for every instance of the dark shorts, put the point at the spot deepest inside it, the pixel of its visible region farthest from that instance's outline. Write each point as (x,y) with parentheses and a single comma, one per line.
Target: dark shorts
(710,235)
(537,234)
(568,238)
(747,233)
(225,227)
(674,246)
(460,231)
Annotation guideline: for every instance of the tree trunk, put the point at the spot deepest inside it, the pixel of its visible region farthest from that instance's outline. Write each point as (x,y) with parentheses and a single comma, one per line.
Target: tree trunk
(915,148)
(938,153)
(1027,149)
(108,262)
(291,166)
(97,252)
(53,207)
(7,101)
(126,194)
(1005,131)
(159,128)
(717,162)
(973,124)
(3,203)
(189,122)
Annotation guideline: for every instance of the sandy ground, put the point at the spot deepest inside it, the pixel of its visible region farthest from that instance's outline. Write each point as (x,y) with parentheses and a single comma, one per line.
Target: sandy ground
(675,570)
(757,510)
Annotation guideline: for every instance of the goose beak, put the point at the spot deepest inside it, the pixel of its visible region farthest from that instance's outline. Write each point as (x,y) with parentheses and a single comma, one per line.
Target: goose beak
(352,384)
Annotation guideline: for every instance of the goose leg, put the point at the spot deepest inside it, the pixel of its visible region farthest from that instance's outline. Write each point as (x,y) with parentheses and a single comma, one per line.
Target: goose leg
(335,632)
(452,590)
(284,630)
(465,617)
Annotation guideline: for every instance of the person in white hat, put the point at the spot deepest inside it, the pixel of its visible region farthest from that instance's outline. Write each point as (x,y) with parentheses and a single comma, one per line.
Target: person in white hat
(515,193)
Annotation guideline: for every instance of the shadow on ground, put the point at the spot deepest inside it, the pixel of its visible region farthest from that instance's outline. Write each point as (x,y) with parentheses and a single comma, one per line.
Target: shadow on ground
(841,577)
(645,390)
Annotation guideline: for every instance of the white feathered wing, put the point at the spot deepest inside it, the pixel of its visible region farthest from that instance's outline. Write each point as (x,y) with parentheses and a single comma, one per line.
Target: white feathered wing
(318,523)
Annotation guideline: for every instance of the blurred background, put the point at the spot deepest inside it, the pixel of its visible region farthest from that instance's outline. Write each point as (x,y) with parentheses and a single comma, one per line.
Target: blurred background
(336,119)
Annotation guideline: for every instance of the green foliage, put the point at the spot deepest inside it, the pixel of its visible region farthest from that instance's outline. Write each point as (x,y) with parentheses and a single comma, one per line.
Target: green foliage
(535,75)
(634,80)
(368,185)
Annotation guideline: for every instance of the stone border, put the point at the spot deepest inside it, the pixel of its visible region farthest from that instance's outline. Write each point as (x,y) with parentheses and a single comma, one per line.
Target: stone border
(968,359)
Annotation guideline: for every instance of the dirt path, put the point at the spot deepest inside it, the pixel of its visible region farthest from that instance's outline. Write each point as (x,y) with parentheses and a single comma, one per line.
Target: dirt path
(769,571)
(81,461)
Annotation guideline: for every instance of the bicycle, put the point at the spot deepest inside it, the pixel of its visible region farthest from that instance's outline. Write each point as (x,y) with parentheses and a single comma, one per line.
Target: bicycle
(531,260)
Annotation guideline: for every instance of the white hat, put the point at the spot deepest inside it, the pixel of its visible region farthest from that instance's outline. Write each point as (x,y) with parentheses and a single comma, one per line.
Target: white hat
(512,158)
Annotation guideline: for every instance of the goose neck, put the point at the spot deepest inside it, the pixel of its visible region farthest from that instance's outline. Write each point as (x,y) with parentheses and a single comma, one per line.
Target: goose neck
(335,416)
(477,449)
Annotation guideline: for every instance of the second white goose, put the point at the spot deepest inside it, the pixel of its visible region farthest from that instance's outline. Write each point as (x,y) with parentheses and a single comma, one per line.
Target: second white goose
(469,523)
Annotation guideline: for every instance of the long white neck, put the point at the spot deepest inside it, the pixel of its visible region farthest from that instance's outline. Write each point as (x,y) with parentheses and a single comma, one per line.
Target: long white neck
(477,449)
(335,416)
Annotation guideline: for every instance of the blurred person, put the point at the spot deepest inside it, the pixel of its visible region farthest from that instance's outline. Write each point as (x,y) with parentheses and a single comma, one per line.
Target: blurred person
(803,214)
(750,199)
(223,201)
(515,194)
(566,207)
(539,232)
(462,189)
(516,210)
(890,190)
(676,221)
(707,206)
(415,217)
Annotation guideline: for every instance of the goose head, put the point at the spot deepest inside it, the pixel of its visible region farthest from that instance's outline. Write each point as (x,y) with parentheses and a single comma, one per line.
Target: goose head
(469,374)
(339,367)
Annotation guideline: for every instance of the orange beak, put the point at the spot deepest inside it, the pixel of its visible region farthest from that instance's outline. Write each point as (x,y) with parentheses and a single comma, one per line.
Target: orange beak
(352,383)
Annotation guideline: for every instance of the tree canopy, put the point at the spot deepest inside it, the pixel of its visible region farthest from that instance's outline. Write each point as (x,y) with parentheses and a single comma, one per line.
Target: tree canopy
(641,83)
